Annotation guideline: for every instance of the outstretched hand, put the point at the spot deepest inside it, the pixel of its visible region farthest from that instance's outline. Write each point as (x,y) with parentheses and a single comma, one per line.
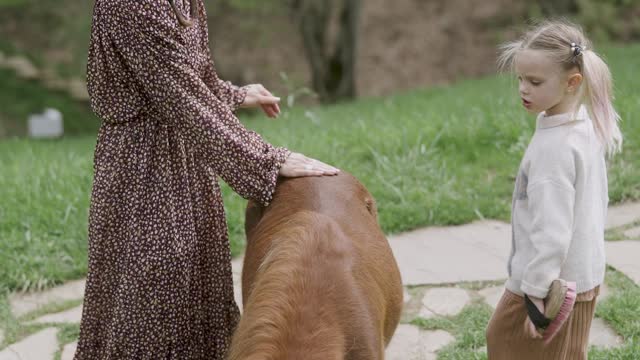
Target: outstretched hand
(257,95)
(298,165)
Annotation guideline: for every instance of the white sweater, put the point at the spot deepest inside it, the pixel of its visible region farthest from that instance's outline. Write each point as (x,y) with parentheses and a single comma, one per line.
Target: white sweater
(559,207)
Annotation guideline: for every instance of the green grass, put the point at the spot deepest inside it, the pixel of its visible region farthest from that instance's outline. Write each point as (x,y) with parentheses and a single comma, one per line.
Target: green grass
(620,310)
(468,328)
(440,156)
(68,334)
(618,233)
(17,329)
(43,212)
(7,321)
(630,351)
(4,3)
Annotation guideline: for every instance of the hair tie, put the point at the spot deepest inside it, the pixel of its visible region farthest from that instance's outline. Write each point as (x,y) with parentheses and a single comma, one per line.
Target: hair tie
(577,49)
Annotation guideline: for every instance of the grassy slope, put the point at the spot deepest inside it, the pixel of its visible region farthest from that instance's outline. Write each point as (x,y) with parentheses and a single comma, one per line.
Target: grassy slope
(439,156)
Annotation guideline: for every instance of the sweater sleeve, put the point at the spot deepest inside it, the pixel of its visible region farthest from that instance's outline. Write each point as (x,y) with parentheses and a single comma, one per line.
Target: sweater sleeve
(551,195)
(150,44)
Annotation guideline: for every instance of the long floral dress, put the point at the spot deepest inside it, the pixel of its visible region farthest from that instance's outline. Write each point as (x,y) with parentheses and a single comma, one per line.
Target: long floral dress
(159,283)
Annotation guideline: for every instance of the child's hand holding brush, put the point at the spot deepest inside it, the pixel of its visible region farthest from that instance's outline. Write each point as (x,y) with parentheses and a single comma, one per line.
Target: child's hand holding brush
(529,328)
(546,317)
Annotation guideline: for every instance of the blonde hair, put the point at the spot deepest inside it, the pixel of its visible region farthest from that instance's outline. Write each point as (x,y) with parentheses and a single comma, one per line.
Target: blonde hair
(567,45)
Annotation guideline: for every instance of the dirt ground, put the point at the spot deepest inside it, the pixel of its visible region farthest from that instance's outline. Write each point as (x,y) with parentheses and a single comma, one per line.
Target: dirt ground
(403,44)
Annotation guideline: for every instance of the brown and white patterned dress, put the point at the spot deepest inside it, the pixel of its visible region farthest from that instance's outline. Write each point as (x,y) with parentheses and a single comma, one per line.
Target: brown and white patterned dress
(159,283)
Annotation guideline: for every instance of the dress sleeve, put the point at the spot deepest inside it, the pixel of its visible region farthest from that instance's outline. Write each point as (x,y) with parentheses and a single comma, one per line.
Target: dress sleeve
(152,46)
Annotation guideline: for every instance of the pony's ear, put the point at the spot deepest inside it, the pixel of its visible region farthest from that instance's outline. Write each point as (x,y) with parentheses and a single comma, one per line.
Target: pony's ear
(371,206)
(252,216)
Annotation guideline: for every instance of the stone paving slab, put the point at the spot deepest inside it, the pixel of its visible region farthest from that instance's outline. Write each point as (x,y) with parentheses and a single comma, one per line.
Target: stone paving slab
(625,257)
(492,295)
(622,214)
(69,351)
(39,346)
(439,255)
(602,335)
(22,303)
(70,316)
(236,266)
(425,313)
(444,301)
(604,293)
(411,343)
(633,233)
(406,297)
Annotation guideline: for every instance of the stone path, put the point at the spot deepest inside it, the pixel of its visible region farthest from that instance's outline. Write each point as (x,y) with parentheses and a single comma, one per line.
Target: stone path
(236,266)
(433,262)
(69,316)
(633,233)
(624,214)
(442,255)
(448,301)
(39,346)
(625,256)
(24,303)
(411,343)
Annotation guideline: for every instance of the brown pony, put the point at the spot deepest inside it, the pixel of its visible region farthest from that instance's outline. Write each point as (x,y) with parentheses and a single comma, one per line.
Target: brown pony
(319,280)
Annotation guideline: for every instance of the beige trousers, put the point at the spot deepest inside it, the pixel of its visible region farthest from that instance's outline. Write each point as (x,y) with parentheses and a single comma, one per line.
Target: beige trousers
(507,340)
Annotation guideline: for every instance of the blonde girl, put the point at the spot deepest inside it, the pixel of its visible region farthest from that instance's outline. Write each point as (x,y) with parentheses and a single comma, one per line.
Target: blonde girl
(561,194)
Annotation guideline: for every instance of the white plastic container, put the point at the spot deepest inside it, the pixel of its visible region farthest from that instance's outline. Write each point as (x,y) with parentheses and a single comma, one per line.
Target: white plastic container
(46,125)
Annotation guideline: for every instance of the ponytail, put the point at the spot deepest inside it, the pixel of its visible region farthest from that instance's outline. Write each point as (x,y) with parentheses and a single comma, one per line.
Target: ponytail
(599,97)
